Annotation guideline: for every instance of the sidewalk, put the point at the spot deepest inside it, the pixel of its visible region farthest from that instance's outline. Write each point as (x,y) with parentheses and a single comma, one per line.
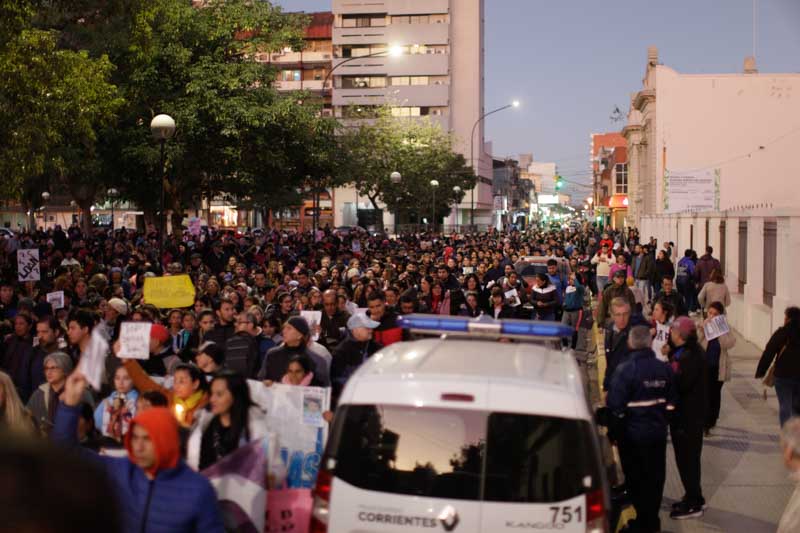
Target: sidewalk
(744,481)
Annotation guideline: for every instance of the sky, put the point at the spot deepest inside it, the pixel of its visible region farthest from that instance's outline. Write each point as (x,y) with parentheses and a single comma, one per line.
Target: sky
(571,62)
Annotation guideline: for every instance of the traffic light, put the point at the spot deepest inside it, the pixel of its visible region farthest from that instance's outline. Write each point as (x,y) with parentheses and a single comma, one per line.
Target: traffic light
(559,183)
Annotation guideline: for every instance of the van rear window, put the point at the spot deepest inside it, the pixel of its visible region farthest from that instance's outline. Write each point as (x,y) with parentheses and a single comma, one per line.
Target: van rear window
(443,453)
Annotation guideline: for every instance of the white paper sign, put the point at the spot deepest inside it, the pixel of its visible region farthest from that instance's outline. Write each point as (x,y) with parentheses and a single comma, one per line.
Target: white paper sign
(28,264)
(93,360)
(513,298)
(716,327)
(56,299)
(134,340)
(313,405)
(194,226)
(314,319)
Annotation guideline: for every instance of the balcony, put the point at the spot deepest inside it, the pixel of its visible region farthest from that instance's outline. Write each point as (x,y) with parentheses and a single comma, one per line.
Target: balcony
(393,7)
(286,58)
(305,85)
(406,95)
(400,34)
(407,65)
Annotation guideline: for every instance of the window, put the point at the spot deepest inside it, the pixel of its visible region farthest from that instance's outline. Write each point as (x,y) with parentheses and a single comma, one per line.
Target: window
(419,19)
(742,255)
(406,111)
(691,236)
(357,111)
(770,260)
(621,178)
(291,75)
(442,453)
(362,50)
(363,82)
(707,235)
(722,245)
(401,80)
(363,21)
(419,80)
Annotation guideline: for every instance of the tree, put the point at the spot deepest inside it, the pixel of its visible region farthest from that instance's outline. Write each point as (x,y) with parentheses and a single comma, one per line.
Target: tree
(53,104)
(418,149)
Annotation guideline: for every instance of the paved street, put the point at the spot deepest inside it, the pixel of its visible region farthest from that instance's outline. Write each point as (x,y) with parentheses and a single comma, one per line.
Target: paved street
(744,481)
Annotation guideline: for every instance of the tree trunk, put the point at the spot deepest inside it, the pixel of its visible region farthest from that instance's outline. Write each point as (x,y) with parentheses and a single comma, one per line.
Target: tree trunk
(86,212)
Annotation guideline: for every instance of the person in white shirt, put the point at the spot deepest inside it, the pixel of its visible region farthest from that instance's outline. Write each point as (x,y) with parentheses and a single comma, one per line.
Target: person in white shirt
(662,320)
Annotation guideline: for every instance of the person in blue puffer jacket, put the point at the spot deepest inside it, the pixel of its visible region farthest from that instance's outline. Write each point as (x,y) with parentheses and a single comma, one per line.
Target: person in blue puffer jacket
(156,490)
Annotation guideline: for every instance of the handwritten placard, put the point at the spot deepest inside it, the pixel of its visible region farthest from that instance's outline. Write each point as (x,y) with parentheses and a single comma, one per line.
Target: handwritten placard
(134,340)
(93,360)
(28,264)
(716,327)
(168,292)
(56,299)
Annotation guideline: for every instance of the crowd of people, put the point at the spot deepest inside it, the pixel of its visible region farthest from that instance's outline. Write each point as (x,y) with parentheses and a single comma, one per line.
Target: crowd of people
(191,402)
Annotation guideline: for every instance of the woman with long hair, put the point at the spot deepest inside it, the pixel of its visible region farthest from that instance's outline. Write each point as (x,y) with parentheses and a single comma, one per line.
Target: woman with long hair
(785,346)
(14,418)
(714,290)
(230,420)
(719,364)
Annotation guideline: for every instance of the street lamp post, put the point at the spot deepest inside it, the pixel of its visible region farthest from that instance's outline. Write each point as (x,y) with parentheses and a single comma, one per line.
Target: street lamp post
(112,193)
(394,51)
(396,178)
(456,191)
(434,185)
(515,103)
(45,199)
(163,128)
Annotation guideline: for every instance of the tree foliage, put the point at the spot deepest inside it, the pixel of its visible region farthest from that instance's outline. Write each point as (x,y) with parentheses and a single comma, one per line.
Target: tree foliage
(418,149)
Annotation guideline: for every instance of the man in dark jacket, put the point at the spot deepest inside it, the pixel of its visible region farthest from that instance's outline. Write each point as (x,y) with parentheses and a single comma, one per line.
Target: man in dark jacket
(644,268)
(388,332)
(618,288)
(17,351)
(689,365)
(224,328)
(705,266)
(295,342)
(157,490)
(641,396)
(333,326)
(616,336)
(671,296)
(351,353)
(241,350)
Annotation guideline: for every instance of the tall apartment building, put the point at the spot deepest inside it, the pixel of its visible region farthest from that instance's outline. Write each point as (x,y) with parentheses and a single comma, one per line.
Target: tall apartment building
(439,75)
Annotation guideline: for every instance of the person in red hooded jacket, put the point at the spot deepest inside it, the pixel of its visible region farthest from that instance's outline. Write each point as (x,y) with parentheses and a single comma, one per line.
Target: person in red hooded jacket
(157,491)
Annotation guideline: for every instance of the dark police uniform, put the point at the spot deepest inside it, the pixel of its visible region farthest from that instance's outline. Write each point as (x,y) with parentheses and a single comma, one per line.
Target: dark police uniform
(641,396)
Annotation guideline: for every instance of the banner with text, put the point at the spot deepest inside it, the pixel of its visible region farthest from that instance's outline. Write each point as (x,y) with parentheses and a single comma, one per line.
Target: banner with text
(691,192)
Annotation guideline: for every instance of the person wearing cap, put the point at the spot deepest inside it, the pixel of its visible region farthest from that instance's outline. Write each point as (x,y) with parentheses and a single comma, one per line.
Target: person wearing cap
(357,347)
(689,364)
(157,491)
(296,334)
(618,288)
(160,348)
(44,401)
(209,357)
(115,308)
(641,398)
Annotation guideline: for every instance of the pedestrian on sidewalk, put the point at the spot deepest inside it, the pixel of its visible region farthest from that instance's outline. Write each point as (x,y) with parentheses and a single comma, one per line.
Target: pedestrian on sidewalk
(641,395)
(689,365)
(714,290)
(790,443)
(684,280)
(719,364)
(784,345)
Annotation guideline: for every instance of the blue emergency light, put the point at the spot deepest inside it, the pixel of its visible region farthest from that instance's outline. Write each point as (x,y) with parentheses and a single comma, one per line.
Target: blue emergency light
(484,325)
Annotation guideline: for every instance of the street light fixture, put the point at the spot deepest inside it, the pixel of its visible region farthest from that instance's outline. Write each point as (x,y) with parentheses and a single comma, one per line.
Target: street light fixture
(395,177)
(456,193)
(112,193)
(163,128)
(434,185)
(393,51)
(514,104)
(45,199)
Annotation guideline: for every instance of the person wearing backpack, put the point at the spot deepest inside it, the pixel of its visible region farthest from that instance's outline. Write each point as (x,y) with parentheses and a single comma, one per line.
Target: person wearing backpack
(684,279)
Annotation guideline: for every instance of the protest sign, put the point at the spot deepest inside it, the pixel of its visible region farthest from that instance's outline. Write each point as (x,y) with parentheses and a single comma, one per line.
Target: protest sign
(28,265)
(289,510)
(56,299)
(134,340)
(314,319)
(512,297)
(169,291)
(716,327)
(301,445)
(194,226)
(93,360)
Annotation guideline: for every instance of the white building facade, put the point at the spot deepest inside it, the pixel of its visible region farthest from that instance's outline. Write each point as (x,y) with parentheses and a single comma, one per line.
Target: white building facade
(734,137)
(439,76)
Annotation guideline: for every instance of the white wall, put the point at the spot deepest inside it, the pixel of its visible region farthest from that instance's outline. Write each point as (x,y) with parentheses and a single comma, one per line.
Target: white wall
(720,121)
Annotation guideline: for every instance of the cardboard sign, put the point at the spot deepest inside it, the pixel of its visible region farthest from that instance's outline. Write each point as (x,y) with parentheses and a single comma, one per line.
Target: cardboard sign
(513,298)
(716,327)
(56,299)
(93,360)
(28,265)
(288,510)
(168,292)
(134,340)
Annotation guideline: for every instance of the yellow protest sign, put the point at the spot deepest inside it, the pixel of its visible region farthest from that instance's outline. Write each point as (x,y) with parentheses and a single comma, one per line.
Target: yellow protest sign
(169,291)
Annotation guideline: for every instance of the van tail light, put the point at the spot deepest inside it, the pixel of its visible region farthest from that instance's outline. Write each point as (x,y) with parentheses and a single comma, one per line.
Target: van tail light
(322,500)
(596,512)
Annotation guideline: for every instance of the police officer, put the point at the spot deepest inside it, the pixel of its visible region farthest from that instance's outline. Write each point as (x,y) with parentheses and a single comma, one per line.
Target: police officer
(640,398)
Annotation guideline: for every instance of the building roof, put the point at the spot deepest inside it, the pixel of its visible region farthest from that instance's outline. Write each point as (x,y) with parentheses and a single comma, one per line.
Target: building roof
(321,26)
(607,140)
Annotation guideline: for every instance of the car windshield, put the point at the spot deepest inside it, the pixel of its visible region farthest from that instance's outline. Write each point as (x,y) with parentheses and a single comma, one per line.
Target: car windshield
(466,455)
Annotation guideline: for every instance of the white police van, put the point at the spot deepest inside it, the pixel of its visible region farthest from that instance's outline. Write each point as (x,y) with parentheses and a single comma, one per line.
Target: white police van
(464,433)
